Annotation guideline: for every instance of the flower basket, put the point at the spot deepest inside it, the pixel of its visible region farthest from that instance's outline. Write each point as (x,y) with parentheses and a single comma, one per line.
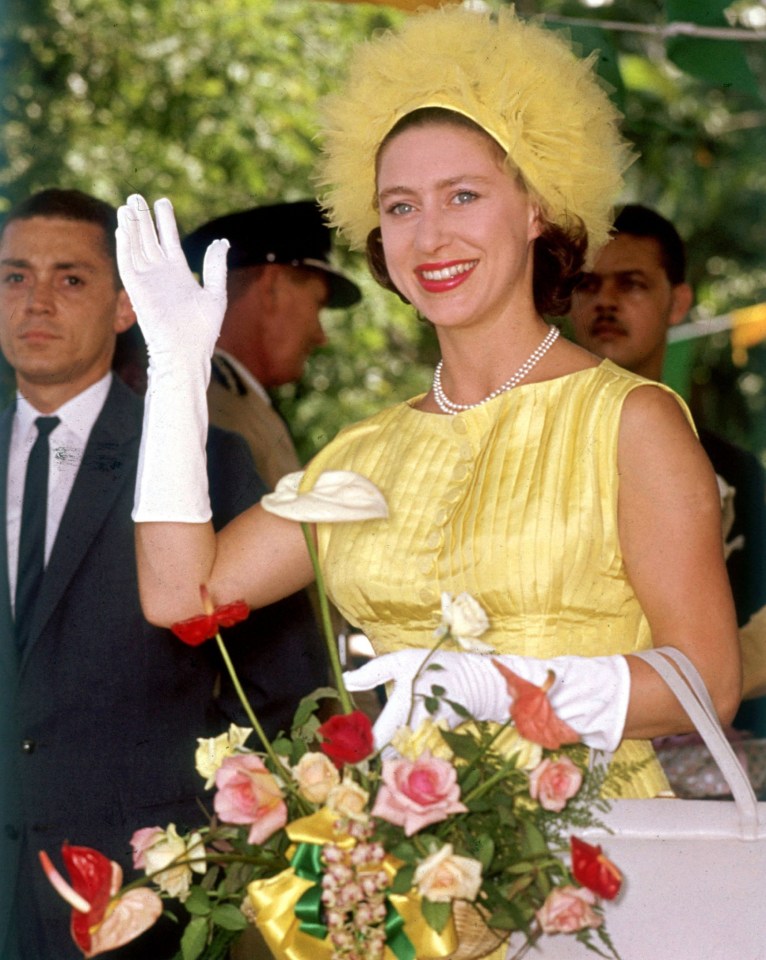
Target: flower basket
(475,938)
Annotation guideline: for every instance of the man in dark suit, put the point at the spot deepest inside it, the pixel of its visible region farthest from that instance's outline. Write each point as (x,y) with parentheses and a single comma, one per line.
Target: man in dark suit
(101,711)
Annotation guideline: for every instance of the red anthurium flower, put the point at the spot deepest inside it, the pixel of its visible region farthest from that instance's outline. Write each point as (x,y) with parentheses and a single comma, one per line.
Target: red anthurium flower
(347,738)
(196,630)
(593,870)
(101,921)
(532,712)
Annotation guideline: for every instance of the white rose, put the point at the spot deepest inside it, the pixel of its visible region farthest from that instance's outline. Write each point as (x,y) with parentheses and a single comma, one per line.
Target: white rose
(168,848)
(410,744)
(443,876)
(211,751)
(465,620)
(348,799)
(315,775)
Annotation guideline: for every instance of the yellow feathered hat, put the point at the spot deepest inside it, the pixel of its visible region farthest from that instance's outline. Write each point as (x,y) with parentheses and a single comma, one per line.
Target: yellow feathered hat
(518,81)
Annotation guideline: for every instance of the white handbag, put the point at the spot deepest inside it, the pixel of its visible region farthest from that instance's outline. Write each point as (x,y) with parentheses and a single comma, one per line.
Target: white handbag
(695,870)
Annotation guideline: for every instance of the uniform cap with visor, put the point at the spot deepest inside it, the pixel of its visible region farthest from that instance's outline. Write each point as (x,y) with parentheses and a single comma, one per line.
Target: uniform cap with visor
(294,234)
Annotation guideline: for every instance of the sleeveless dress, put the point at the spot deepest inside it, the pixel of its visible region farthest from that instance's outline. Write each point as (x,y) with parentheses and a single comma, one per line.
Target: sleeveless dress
(515,502)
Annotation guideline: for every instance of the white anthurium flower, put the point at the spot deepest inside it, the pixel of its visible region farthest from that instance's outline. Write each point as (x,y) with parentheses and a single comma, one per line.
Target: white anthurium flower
(337,496)
(465,620)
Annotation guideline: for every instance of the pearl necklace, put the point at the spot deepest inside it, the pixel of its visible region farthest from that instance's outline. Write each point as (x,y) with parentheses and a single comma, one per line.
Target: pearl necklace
(447,406)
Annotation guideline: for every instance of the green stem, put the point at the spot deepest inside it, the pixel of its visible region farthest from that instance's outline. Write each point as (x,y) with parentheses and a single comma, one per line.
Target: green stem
(329,634)
(280,765)
(487,785)
(210,857)
(275,759)
(442,640)
(495,736)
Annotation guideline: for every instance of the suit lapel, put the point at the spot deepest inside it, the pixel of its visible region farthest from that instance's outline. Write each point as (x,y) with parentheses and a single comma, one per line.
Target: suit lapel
(9,845)
(108,463)
(6,620)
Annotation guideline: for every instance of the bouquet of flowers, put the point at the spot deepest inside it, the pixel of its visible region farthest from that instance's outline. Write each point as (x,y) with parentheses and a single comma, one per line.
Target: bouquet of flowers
(443,844)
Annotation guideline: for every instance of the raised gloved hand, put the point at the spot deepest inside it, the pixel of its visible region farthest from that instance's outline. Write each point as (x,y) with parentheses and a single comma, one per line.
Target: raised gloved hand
(590,694)
(180,321)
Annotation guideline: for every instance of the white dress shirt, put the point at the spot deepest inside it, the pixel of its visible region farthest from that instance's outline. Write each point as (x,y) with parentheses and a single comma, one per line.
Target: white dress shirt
(67,445)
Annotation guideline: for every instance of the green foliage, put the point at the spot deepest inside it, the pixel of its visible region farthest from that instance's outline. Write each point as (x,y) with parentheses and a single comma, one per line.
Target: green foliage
(214,104)
(436,915)
(194,939)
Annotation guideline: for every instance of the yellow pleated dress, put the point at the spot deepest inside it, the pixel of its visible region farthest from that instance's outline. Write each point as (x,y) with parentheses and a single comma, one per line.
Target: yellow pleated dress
(515,502)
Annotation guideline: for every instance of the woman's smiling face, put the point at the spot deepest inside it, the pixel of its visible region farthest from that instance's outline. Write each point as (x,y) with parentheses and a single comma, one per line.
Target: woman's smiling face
(457,227)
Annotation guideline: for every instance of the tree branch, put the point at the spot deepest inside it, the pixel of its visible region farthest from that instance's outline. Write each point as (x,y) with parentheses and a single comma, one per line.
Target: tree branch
(675,29)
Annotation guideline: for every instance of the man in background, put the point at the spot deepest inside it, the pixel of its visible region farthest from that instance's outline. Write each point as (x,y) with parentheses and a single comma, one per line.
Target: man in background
(279,280)
(622,310)
(101,710)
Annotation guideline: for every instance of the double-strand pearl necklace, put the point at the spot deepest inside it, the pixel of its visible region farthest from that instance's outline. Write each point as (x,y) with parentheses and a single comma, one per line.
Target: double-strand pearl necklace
(447,406)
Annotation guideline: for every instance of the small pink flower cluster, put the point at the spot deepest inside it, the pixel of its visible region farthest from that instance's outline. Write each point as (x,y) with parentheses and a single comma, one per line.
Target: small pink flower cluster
(353,895)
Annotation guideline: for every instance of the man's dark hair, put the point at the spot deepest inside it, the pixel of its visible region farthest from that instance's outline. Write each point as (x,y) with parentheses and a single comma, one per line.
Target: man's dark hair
(639,221)
(70,205)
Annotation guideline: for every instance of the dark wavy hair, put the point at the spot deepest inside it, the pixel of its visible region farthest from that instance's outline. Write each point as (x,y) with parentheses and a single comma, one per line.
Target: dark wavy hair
(73,205)
(559,252)
(640,221)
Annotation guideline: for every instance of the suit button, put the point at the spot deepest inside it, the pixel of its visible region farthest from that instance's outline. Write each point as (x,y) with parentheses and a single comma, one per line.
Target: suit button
(28,746)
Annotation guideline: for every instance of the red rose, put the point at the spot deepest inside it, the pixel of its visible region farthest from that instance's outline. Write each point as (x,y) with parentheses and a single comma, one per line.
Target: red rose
(347,738)
(593,870)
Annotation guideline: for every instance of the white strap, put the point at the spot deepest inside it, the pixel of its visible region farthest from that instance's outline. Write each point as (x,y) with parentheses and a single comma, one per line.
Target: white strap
(695,699)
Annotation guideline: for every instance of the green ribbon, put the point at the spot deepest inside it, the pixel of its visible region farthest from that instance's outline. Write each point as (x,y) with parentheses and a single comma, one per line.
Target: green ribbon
(307,864)
(396,939)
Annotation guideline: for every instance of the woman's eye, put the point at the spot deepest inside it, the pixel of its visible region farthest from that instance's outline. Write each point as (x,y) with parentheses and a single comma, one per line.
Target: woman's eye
(397,209)
(465,196)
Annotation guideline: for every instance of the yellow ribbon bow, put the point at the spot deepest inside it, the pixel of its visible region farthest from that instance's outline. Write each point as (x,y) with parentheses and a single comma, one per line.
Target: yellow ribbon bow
(275,899)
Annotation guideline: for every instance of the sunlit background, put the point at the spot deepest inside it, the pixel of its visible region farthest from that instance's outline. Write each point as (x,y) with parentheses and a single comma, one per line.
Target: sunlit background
(214,105)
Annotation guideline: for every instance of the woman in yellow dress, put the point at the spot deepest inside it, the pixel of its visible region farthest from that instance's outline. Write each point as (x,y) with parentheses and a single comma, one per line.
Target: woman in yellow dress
(477,159)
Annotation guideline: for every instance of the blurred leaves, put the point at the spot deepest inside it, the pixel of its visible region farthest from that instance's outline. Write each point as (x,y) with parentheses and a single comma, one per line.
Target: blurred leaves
(214,104)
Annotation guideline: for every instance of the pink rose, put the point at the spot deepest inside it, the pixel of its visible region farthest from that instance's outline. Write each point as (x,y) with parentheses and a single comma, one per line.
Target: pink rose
(415,793)
(553,782)
(249,794)
(141,841)
(567,910)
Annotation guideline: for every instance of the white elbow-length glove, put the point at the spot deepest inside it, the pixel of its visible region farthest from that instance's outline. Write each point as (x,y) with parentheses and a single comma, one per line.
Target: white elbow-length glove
(589,693)
(180,321)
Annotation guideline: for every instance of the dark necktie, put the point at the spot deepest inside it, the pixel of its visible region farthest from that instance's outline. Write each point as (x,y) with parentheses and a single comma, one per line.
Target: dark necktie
(32,537)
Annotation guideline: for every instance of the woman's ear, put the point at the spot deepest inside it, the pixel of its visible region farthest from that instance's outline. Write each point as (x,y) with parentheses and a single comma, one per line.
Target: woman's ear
(536,222)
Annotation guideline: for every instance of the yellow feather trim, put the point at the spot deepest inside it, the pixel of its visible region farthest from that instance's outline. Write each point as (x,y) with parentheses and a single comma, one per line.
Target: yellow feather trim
(520,82)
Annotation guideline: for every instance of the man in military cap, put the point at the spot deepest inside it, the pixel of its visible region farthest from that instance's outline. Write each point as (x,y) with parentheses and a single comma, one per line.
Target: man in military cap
(280,278)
